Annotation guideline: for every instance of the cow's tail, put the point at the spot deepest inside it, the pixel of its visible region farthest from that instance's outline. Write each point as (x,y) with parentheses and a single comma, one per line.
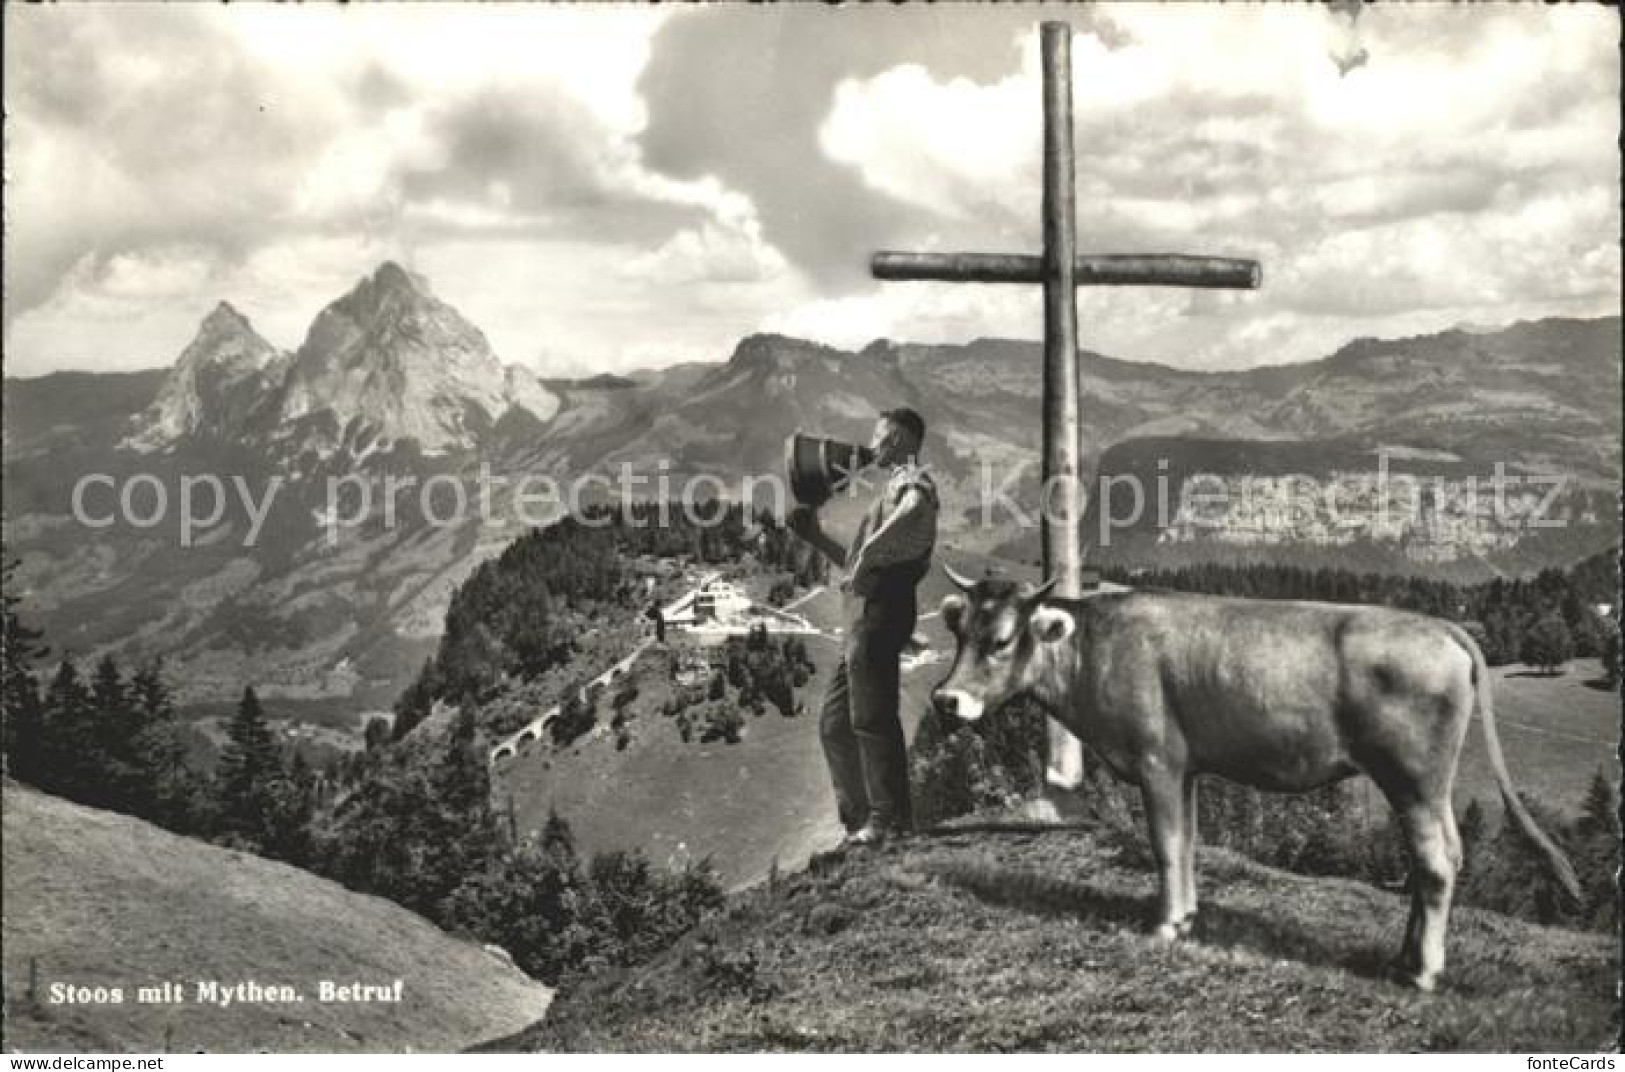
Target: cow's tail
(1562,869)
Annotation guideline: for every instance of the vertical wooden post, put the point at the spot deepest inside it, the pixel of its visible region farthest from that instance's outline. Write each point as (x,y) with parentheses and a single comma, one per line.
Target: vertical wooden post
(1063,488)
(1062,498)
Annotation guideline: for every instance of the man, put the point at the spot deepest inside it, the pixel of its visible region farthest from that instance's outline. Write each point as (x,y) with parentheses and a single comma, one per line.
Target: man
(891,551)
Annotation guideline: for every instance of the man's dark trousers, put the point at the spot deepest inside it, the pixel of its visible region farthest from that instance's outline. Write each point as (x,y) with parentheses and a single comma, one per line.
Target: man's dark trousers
(860,726)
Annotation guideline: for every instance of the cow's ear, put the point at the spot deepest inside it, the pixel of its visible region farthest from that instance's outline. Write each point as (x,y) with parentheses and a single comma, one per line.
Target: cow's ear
(1052,624)
(953,613)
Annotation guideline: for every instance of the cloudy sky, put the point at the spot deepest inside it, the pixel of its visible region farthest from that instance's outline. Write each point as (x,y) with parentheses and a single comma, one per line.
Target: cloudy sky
(604,188)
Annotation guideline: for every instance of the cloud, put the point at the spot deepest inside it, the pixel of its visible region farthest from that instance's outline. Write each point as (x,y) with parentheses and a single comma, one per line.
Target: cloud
(930,169)
(109,145)
(1467,168)
(709,254)
(139,310)
(742,92)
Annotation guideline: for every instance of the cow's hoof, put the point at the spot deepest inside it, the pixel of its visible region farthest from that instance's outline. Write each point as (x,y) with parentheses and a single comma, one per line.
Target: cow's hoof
(1186,927)
(1063,779)
(1166,932)
(1407,976)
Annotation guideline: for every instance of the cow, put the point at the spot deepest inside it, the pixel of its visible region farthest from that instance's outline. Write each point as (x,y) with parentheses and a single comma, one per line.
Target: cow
(1283,696)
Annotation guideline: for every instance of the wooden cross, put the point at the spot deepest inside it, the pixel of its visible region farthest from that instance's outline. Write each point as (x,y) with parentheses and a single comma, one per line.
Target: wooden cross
(1061,269)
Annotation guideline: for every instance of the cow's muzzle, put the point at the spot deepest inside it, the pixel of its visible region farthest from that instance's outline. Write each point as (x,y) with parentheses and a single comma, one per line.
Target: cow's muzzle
(955,703)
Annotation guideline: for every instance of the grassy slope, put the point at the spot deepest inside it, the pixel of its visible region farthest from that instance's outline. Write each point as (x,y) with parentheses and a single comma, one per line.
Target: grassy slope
(102,899)
(998,942)
(743,805)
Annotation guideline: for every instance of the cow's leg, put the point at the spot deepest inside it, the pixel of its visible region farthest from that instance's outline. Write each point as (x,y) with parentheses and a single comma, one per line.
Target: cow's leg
(1187,910)
(1163,794)
(1452,839)
(1435,849)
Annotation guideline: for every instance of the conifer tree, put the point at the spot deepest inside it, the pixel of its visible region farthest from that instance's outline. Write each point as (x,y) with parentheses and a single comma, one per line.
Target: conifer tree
(115,729)
(447,829)
(21,712)
(1597,855)
(171,793)
(249,764)
(557,839)
(69,749)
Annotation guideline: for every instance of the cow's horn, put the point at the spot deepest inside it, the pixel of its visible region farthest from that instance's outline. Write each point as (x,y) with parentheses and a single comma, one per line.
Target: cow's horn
(1035,594)
(961,582)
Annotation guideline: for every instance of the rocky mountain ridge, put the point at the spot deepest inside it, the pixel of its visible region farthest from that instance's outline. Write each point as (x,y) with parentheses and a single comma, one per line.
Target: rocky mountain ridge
(388,359)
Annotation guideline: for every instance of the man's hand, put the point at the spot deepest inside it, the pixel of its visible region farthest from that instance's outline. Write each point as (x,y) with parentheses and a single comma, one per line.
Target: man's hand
(803,521)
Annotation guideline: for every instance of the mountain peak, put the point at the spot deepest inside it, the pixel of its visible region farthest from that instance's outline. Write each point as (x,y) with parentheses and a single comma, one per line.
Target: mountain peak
(389,294)
(769,350)
(226,337)
(224,318)
(219,381)
(390,276)
(407,364)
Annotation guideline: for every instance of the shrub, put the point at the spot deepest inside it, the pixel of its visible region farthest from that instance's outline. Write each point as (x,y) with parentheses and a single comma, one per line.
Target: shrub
(1549,644)
(556,920)
(1608,650)
(722,723)
(576,716)
(962,768)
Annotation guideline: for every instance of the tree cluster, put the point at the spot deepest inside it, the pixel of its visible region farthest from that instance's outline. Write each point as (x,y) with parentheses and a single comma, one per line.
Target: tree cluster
(427,836)
(759,670)
(958,768)
(111,741)
(1543,620)
(114,742)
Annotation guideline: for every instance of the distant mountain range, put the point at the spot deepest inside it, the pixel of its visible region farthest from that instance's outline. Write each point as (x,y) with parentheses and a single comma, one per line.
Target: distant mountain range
(390,382)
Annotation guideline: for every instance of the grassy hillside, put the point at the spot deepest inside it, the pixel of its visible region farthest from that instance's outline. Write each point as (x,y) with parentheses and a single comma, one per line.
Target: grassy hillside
(1033,941)
(745,805)
(98,899)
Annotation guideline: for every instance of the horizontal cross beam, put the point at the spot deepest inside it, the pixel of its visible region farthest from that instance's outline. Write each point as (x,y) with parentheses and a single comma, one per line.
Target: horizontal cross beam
(1152,270)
